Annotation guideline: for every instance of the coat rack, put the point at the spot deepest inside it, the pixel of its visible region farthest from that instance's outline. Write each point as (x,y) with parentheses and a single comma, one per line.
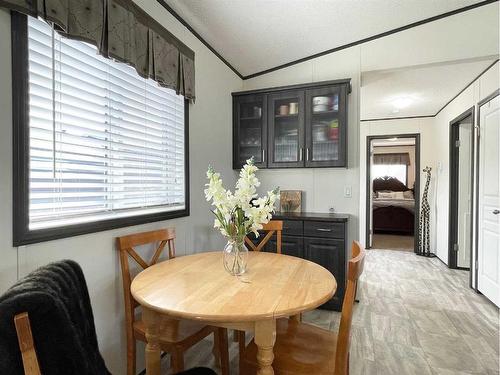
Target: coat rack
(424,247)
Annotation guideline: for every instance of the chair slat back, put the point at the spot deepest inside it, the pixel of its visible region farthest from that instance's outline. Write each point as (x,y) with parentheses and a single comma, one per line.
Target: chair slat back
(126,245)
(354,271)
(274,226)
(26,344)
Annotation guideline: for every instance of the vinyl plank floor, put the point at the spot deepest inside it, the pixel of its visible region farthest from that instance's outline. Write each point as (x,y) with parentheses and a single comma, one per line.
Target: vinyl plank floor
(415,316)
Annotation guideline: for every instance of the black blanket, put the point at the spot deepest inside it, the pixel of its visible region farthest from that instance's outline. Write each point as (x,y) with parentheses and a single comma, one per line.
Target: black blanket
(57,301)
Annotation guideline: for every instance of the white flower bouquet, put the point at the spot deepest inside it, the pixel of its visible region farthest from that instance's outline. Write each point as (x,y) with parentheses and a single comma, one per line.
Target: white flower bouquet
(240,213)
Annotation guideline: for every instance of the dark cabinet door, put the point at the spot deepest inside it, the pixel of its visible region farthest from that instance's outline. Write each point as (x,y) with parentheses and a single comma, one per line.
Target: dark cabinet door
(329,253)
(326,127)
(290,245)
(286,129)
(249,130)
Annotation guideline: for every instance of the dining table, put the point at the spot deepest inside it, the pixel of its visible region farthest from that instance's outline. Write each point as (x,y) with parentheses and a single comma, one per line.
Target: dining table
(197,287)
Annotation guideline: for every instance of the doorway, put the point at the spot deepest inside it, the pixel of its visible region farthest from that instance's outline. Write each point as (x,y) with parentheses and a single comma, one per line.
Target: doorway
(461,188)
(393,191)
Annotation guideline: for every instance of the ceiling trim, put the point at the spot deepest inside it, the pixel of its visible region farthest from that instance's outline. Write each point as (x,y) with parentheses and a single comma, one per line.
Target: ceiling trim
(443,107)
(397,118)
(200,38)
(373,37)
(466,87)
(164,4)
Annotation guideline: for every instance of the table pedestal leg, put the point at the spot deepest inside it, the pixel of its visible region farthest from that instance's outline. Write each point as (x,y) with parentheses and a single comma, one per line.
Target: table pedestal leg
(153,352)
(265,337)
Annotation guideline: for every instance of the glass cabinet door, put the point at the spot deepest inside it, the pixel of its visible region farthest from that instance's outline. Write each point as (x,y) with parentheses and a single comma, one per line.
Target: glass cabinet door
(286,129)
(250,130)
(325,127)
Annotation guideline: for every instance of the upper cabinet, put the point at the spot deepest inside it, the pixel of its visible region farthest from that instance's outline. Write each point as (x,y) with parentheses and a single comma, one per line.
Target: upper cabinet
(285,122)
(326,127)
(250,130)
(292,127)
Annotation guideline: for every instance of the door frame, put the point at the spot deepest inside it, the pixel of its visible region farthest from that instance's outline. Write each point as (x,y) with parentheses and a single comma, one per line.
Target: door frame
(369,139)
(477,129)
(453,189)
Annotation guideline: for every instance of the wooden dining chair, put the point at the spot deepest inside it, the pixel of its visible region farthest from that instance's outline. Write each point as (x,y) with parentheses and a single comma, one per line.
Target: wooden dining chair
(305,349)
(188,333)
(26,344)
(30,358)
(272,227)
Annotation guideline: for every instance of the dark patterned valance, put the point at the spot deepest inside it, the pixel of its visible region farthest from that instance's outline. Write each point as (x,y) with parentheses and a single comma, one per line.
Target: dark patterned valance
(123,31)
(401,158)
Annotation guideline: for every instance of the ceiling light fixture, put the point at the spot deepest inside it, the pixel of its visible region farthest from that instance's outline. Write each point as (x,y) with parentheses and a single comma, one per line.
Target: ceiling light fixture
(402,102)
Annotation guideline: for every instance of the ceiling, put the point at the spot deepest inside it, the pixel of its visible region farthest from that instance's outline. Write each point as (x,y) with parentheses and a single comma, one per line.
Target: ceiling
(260,34)
(416,91)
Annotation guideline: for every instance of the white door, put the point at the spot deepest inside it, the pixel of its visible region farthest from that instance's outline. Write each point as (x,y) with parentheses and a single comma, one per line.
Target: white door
(489,201)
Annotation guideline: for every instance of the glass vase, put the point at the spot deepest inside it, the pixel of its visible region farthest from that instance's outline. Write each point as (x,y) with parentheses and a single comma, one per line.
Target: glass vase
(235,256)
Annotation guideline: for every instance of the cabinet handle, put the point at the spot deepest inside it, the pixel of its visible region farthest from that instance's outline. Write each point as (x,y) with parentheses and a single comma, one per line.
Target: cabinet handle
(307,153)
(301,154)
(323,230)
(496,212)
(263,155)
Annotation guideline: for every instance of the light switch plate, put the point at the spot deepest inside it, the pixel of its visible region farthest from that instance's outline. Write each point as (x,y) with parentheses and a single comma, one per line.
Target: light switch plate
(347,191)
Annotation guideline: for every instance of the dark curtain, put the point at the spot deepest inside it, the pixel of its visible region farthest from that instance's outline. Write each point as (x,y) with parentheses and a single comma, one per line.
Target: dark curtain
(123,31)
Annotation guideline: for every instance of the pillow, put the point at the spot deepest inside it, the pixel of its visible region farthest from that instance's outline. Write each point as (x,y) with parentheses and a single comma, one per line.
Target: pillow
(391,195)
(408,194)
(398,195)
(384,194)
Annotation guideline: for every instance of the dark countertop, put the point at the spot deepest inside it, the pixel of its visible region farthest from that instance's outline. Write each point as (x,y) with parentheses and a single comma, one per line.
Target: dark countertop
(316,216)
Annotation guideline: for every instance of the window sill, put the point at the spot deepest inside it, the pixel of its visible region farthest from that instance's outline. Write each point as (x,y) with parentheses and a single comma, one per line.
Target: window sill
(24,236)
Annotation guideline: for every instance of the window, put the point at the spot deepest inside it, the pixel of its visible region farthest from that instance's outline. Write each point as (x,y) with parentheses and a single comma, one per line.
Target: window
(394,170)
(106,147)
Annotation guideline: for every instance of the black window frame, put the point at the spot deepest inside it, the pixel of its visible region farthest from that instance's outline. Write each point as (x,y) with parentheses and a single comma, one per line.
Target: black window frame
(22,235)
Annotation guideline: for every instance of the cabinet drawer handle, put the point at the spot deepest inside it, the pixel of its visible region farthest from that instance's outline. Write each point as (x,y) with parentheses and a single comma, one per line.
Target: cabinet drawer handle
(323,230)
(263,155)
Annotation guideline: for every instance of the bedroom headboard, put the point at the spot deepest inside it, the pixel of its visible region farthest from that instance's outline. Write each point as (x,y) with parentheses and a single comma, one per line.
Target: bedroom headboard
(388,183)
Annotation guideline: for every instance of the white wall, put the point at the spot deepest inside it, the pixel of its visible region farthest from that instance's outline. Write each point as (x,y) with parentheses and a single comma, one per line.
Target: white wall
(422,126)
(210,142)
(323,187)
(481,88)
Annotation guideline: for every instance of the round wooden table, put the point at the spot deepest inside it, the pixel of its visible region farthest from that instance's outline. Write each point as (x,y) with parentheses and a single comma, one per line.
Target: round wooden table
(197,287)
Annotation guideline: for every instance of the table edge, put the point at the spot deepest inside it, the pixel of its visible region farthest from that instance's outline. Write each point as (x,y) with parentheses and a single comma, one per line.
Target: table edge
(246,318)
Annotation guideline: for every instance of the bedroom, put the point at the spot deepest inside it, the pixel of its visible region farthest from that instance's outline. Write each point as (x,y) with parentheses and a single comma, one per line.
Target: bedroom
(392,180)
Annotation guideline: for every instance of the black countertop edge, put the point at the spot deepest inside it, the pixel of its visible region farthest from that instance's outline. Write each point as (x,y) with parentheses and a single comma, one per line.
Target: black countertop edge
(316,216)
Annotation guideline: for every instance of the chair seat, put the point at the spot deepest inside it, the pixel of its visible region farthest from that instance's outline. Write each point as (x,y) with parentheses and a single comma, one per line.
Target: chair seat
(187,330)
(299,349)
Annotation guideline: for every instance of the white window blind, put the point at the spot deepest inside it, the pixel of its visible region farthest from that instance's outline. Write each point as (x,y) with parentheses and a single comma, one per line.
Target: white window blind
(104,142)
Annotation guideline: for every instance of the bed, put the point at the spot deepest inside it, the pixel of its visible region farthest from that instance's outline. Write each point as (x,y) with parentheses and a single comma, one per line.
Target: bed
(393,206)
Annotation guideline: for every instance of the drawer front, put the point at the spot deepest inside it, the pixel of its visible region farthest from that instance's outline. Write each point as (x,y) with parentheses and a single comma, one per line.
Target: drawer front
(323,229)
(293,227)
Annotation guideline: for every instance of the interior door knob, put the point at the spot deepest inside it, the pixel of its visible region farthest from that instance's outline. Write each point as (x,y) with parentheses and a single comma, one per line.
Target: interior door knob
(496,212)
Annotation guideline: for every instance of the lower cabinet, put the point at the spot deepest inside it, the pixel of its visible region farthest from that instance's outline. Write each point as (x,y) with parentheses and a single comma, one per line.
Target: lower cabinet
(329,253)
(290,245)
(320,239)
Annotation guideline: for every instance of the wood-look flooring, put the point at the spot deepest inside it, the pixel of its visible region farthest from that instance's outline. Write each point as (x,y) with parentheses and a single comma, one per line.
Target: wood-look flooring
(415,316)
